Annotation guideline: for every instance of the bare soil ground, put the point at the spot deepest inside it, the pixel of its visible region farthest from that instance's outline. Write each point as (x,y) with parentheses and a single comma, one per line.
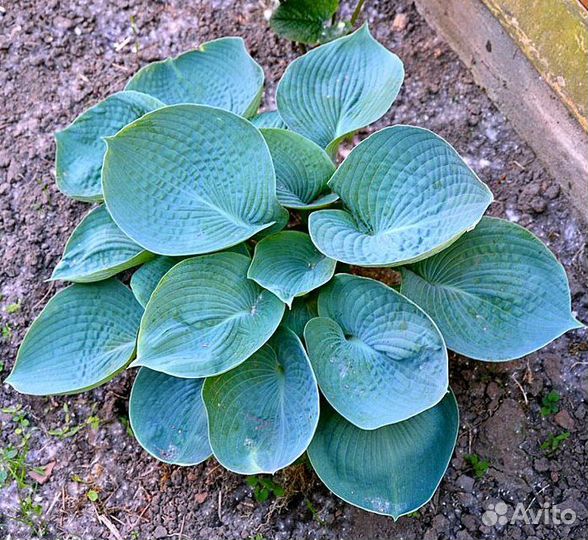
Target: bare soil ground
(59,57)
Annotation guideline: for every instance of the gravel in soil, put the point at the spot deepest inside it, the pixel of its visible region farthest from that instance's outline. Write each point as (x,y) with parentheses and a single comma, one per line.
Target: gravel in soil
(60,57)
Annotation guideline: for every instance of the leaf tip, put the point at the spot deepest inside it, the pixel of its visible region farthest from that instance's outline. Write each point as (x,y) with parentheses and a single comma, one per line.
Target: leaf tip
(577,324)
(13,381)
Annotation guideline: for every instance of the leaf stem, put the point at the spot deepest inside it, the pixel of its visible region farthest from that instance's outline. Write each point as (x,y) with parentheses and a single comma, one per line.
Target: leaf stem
(356,12)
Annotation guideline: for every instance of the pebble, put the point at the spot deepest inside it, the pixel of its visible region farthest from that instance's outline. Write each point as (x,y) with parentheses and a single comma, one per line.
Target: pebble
(552,192)
(160,532)
(541,464)
(465,483)
(400,22)
(539,205)
(563,419)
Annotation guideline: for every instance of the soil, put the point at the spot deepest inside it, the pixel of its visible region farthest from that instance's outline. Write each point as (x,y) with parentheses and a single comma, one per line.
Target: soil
(60,57)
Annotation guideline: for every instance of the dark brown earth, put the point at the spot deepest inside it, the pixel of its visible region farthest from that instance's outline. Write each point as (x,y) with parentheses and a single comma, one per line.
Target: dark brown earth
(57,58)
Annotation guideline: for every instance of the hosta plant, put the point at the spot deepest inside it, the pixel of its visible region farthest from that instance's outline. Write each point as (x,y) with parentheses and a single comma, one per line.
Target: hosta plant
(252,339)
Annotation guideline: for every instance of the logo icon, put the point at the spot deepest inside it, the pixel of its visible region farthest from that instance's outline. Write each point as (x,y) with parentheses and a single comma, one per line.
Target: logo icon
(496,513)
(547,514)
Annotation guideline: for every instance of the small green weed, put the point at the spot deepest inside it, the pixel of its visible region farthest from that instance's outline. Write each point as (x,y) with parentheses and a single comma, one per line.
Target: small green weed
(478,465)
(550,403)
(315,513)
(14,308)
(263,488)
(553,443)
(14,468)
(70,429)
(124,420)
(6,332)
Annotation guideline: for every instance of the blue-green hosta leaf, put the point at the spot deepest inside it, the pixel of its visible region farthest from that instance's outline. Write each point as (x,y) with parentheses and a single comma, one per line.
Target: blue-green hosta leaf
(146,278)
(304,21)
(80,148)
(392,470)
(302,170)
(168,417)
(268,119)
(97,250)
(288,264)
(339,88)
(189,179)
(302,310)
(408,195)
(264,412)
(497,293)
(378,357)
(220,73)
(83,337)
(281,217)
(205,317)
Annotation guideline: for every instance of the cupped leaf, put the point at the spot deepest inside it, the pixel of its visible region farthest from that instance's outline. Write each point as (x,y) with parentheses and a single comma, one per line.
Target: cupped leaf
(302,310)
(168,417)
(303,21)
(378,358)
(288,264)
(392,470)
(302,170)
(264,412)
(497,293)
(97,250)
(407,193)
(189,179)
(80,148)
(83,337)
(268,119)
(220,73)
(339,88)
(205,317)
(146,278)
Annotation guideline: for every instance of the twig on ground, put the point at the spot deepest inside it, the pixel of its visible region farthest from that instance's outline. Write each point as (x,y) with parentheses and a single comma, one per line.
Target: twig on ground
(220,502)
(109,525)
(521,388)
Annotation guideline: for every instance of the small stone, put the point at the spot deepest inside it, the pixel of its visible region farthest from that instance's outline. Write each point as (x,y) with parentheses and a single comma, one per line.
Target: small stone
(201,497)
(541,465)
(176,477)
(576,506)
(400,22)
(493,391)
(470,522)
(563,419)
(554,477)
(538,205)
(468,500)
(160,532)
(63,23)
(465,483)
(552,192)
(440,523)
(552,367)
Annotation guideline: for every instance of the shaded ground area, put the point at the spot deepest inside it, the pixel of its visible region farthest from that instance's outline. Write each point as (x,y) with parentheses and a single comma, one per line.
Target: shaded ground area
(58,58)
